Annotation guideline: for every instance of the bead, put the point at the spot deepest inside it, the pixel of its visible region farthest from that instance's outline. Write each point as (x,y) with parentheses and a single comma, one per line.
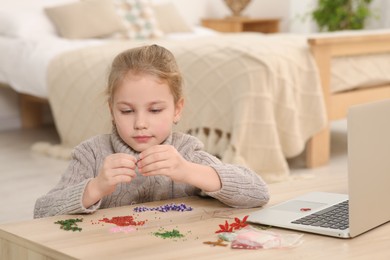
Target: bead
(165,208)
(123,221)
(69,224)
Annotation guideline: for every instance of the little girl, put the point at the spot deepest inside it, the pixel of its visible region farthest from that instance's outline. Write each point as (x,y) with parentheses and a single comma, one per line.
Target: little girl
(142,160)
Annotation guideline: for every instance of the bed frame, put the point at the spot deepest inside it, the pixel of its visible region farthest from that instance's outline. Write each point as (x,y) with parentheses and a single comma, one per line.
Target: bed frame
(31,110)
(337,104)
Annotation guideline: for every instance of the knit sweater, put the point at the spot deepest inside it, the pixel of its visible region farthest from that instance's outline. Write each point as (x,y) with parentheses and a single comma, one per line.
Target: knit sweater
(241,187)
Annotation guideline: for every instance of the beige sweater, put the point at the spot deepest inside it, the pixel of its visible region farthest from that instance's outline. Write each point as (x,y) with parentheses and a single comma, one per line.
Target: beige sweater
(241,187)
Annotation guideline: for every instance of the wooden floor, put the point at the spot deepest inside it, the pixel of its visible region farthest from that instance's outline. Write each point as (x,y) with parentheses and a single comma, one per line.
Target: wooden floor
(25,175)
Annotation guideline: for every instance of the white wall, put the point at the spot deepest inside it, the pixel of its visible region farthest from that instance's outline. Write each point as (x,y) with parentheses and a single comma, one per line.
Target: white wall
(195,10)
(299,20)
(381,8)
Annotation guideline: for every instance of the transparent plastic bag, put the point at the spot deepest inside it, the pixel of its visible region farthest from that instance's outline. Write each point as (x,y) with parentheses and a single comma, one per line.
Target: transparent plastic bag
(252,238)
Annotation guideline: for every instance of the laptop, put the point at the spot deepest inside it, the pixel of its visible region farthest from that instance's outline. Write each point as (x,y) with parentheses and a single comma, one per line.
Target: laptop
(367,204)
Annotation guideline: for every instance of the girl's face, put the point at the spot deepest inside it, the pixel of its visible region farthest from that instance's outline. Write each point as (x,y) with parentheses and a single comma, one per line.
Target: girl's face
(144,111)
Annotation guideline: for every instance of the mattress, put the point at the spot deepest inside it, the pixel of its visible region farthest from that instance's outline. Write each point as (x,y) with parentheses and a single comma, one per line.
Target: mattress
(359,72)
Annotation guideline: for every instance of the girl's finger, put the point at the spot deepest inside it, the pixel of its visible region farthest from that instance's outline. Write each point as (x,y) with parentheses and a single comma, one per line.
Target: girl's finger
(123,171)
(157,149)
(122,160)
(123,178)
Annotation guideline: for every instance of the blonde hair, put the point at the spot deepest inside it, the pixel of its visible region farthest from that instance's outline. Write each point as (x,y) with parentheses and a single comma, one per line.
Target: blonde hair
(152,60)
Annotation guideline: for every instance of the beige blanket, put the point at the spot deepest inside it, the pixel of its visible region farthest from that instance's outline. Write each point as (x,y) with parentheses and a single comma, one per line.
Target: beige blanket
(252,99)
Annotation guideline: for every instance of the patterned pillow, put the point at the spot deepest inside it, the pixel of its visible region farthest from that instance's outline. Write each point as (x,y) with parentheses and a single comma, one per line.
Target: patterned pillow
(139,19)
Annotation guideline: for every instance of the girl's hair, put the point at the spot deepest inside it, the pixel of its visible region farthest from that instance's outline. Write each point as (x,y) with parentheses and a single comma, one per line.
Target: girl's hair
(152,60)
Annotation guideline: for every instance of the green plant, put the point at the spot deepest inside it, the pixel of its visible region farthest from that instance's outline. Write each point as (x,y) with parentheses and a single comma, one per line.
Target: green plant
(335,15)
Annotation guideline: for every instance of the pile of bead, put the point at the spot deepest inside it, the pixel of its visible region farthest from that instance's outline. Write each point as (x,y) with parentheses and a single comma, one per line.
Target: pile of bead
(165,208)
(168,234)
(123,221)
(70,224)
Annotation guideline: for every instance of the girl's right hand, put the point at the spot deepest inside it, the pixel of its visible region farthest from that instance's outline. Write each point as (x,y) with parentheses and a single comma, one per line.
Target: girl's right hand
(116,168)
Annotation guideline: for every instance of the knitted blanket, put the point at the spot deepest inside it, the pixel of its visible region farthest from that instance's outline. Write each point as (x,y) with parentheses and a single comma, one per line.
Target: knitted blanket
(252,99)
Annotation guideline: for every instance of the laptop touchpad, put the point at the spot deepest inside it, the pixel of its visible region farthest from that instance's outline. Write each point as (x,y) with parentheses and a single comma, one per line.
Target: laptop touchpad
(299,205)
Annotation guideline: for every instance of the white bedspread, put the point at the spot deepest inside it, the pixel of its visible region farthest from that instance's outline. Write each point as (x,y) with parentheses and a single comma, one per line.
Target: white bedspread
(24,61)
(252,99)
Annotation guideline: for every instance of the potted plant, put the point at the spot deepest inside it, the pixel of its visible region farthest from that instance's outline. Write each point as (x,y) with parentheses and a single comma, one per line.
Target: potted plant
(335,15)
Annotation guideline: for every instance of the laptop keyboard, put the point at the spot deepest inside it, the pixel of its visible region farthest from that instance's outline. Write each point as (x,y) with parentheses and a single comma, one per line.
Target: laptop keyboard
(334,217)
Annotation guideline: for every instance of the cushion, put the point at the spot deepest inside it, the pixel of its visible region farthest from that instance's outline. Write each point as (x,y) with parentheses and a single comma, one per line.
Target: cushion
(139,19)
(169,19)
(85,19)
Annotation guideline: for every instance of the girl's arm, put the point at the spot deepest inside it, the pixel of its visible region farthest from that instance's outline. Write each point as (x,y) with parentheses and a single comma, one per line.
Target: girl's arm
(234,185)
(66,196)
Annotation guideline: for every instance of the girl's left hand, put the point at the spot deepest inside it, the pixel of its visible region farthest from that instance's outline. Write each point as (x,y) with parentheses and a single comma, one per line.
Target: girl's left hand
(162,160)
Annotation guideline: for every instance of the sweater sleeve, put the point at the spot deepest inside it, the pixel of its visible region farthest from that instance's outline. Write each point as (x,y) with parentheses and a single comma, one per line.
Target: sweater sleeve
(241,187)
(66,196)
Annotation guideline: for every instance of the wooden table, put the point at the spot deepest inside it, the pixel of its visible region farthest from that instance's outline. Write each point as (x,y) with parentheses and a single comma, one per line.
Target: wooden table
(42,239)
(243,24)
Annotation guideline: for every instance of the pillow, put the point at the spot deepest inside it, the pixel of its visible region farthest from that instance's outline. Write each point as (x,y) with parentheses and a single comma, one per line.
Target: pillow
(25,23)
(50,3)
(139,19)
(169,19)
(86,19)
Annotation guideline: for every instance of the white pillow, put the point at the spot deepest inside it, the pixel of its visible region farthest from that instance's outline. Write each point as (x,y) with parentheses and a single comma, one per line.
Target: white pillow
(25,23)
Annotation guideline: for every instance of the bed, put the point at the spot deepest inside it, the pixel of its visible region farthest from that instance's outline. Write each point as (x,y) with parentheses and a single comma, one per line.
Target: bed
(258,132)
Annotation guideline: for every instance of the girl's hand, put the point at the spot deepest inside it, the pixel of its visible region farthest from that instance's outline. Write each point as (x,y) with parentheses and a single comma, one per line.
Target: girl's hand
(116,168)
(162,160)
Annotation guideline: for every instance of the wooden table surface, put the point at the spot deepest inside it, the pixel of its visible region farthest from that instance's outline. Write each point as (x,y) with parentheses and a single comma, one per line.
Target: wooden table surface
(42,239)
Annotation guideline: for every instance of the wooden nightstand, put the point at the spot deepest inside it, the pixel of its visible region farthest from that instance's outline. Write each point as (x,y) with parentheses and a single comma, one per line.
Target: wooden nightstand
(243,24)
